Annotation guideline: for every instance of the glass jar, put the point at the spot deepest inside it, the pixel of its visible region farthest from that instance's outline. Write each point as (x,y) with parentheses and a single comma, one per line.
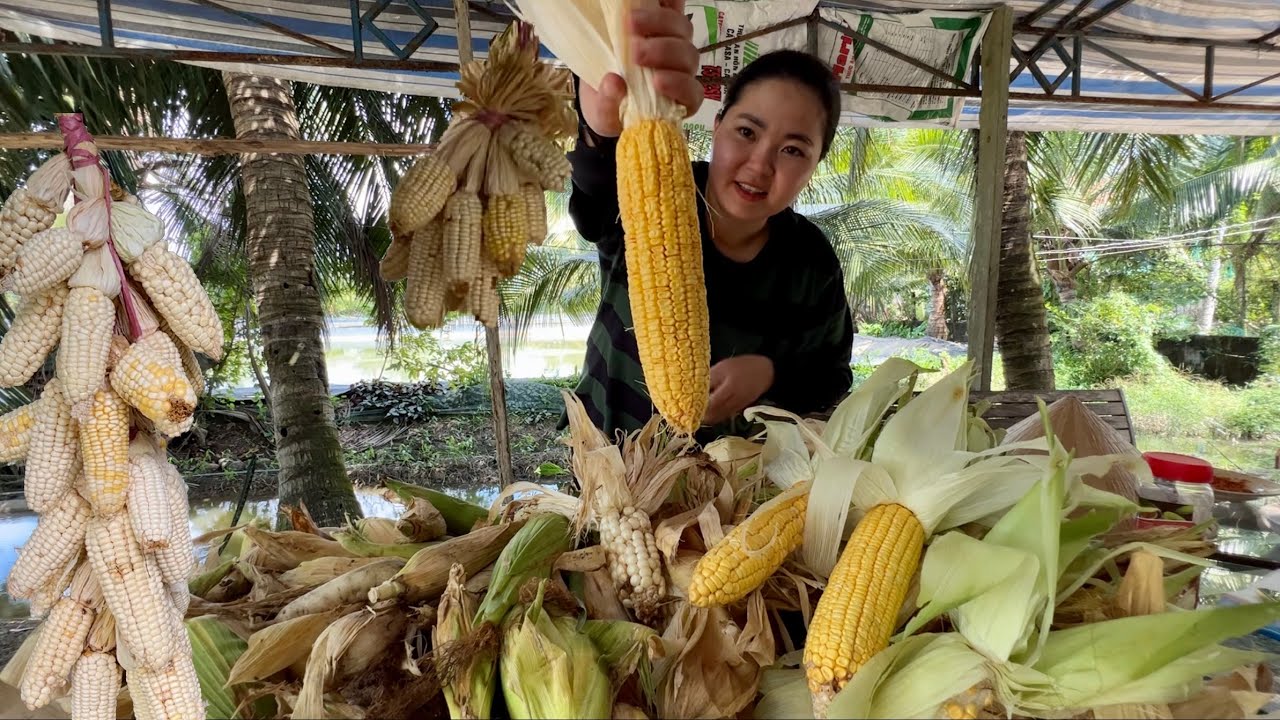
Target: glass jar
(1182,486)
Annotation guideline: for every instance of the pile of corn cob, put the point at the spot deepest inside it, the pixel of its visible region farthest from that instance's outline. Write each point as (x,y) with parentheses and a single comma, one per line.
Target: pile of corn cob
(108,563)
(524,610)
(462,217)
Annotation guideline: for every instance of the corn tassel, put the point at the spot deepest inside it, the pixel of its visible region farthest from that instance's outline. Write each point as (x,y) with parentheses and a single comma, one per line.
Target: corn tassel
(35,331)
(15,432)
(859,607)
(54,544)
(179,297)
(88,323)
(46,260)
(657,200)
(104,447)
(131,583)
(54,458)
(745,558)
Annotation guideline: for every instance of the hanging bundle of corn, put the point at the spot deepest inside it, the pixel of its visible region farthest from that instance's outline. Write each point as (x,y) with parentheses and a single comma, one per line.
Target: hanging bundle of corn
(657,200)
(462,217)
(113,513)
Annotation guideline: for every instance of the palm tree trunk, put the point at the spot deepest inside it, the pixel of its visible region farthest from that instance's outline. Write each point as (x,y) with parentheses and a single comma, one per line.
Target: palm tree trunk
(280,244)
(937,327)
(1022,325)
(1240,264)
(1209,308)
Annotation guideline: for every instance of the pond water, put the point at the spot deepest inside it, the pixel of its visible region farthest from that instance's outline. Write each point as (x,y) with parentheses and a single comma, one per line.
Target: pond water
(553,347)
(213,513)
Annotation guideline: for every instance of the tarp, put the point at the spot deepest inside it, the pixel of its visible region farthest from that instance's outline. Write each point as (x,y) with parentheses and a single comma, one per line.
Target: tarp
(944,32)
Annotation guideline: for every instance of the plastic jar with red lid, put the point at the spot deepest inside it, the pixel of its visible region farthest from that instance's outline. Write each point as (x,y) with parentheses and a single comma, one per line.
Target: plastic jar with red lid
(1180,483)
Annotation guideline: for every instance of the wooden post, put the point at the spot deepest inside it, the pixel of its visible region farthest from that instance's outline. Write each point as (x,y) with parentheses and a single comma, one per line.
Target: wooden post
(497,387)
(988,205)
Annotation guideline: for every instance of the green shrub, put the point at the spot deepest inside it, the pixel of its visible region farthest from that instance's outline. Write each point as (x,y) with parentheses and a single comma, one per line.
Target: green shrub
(1257,416)
(1100,340)
(421,357)
(1270,350)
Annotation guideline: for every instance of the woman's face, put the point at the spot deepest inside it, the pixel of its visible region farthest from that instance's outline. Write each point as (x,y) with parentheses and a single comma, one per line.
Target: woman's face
(765,148)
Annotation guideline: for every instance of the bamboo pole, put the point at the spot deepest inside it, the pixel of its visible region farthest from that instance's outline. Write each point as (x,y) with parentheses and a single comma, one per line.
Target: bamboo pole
(497,386)
(215,146)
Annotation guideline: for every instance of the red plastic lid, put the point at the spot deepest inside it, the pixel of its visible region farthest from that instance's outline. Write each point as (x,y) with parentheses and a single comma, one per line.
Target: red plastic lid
(1180,468)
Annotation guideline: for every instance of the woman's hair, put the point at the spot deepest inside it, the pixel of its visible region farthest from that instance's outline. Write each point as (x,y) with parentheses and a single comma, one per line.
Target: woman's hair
(798,67)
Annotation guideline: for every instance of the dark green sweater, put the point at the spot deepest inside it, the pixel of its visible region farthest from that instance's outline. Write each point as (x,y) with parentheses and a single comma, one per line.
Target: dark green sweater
(788,303)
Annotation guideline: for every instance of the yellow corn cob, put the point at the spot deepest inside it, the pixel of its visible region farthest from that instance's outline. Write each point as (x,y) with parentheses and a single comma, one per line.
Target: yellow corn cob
(150,378)
(424,293)
(537,157)
(482,295)
(969,705)
(35,331)
(95,685)
(177,560)
(506,232)
(104,449)
(178,296)
(634,561)
(536,212)
(463,215)
(47,259)
(752,551)
(420,195)
(54,457)
(88,323)
(148,503)
(131,583)
(53,545)
(859,607)
(15,432)
(394,265)
(657,202)
(57,649)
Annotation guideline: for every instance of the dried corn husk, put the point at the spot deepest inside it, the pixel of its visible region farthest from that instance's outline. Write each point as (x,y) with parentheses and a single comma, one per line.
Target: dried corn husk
(277,647)
(1084,434)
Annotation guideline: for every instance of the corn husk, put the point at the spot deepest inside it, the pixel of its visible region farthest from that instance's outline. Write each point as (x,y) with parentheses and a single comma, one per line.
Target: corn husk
(550,669)
(289,549)
(279,646)
(1085,435)
(425,575)
(422,522)
(344,650)
(465,679)
(459,516)
(321,570)
(351,587)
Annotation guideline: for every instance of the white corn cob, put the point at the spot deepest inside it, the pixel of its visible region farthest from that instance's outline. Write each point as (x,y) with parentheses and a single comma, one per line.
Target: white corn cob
(104,449)
(537,157)
(57,649)
(35,331)
(172,692)
(61,641)
(88,323)
(150,378)
(54,457)
(190,364)
(180,594)
(34,208)
(148,503)
(43,599)
(177,560)
(634,560)
(47,259)
(56,541)
(131,583)
(179,297)
(535,213)
(15,432)
(95,686)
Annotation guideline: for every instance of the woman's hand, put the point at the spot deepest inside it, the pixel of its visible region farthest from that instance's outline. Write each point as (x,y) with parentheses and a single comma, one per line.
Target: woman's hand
(662,40)
(736,383)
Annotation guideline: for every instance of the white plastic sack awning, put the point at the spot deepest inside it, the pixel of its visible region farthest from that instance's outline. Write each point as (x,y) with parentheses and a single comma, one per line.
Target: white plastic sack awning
(944,35)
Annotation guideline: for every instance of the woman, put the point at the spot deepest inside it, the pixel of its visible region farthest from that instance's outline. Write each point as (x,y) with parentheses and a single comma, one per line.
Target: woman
(781,330)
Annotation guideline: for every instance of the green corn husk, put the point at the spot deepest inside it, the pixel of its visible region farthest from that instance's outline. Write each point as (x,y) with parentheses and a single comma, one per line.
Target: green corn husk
(628,649)
(551,669)
(466,681)
(358,545)
(201,584)
(531,553)
(460,516)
